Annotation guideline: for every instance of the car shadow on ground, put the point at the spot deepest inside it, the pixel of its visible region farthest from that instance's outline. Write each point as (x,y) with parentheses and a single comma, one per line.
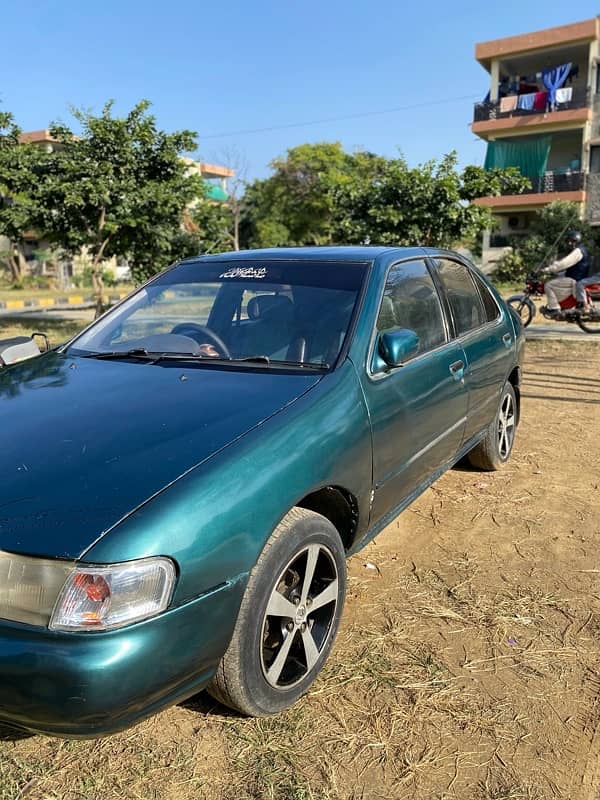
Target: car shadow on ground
(10,734)
(203,703)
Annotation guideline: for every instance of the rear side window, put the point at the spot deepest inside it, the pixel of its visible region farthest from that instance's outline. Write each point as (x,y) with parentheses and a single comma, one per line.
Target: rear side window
(492,311)
(463,296)
(410,300)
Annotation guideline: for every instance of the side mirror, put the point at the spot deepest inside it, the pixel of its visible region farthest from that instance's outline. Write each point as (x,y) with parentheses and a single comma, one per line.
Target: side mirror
(17,349)
(396,345)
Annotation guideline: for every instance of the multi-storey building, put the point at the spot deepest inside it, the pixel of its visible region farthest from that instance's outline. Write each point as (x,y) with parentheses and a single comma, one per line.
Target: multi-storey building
(542,115)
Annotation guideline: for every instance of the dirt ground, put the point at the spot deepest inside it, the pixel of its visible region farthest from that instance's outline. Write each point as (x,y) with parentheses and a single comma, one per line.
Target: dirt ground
(467,668)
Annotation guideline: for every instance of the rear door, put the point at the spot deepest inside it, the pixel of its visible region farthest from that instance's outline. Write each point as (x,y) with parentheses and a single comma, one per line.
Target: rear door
(418,410)
(486,335)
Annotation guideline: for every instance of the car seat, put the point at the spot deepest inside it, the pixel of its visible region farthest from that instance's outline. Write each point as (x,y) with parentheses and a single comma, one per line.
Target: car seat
(270,330)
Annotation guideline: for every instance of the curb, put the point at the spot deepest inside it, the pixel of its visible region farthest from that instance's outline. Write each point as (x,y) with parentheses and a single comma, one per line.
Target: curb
(57,302)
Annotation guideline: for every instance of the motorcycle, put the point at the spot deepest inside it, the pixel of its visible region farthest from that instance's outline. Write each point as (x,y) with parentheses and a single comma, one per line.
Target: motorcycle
(588,321)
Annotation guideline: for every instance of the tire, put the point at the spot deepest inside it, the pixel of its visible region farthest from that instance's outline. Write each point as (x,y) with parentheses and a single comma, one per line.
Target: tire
(280,641)
(494,451)
(590,325)
(523,306)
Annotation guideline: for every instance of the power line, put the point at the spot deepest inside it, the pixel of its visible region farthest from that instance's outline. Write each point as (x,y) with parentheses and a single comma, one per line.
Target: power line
(338,119)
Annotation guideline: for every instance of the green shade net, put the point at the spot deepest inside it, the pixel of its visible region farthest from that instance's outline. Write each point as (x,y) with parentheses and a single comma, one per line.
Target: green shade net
(529,155)
(214,192)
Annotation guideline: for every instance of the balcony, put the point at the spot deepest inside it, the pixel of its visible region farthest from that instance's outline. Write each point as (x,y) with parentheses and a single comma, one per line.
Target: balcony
(483,112)
(556,182)
(544,189)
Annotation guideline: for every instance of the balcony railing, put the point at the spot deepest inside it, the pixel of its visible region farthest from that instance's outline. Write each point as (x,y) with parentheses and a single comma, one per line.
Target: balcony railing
(557,181)
(581,98)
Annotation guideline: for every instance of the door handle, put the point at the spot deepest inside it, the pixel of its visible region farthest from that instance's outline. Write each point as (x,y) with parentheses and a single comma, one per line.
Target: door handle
(507,339)
(458,370)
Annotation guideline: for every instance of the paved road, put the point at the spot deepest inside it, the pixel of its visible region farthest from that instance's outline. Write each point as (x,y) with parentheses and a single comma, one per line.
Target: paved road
(559,331)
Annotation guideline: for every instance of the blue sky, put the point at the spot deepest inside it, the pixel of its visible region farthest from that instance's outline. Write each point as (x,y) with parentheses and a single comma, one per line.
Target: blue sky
(220,68)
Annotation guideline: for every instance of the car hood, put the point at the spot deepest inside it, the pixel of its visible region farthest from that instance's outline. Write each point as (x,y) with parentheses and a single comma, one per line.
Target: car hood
(85,441)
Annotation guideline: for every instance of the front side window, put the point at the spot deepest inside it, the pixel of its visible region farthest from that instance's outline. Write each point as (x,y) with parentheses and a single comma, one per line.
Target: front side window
(466,305)
(410,300)
(297,311)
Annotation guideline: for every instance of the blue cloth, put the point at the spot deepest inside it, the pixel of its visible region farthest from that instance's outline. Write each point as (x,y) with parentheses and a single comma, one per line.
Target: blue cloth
(525,102)
(553,79)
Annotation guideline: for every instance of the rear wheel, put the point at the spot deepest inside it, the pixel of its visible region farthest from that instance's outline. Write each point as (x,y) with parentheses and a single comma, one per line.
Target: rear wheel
(590,323)
(494,451)
(523,306)
(288,618)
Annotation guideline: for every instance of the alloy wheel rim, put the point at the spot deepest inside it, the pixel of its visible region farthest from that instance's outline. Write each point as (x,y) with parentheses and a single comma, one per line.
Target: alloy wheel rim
(506,426)
(299,616)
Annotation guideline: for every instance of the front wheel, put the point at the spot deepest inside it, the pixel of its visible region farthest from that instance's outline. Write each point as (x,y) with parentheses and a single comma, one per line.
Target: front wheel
(494,450)
(288,618)
(524,307)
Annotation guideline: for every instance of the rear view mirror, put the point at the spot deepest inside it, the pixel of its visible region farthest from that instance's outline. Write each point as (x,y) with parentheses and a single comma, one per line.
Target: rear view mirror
(20,348)
(397,345)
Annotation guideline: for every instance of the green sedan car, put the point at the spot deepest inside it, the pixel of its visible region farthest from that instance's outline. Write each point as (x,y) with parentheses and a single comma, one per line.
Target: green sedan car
(182,482)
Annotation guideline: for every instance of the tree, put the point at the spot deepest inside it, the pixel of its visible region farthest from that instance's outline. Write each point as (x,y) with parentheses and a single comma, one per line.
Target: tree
(430,204)
(19,166)
(209,226)
(119,188)
(236,189)
(295,205)
(318,194)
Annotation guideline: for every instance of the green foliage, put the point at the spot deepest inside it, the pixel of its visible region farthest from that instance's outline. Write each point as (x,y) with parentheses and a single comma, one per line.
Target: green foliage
(511,268)
(401,205)
(119,188)
(296,205)
(19,168)
(478,182)
(84,280)
(318,194)
(211,225)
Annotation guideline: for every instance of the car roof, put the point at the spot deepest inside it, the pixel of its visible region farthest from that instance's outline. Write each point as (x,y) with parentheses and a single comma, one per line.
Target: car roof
(337,254)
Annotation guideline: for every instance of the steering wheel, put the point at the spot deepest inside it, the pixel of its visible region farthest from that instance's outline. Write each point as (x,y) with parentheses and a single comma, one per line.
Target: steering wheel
(200,333)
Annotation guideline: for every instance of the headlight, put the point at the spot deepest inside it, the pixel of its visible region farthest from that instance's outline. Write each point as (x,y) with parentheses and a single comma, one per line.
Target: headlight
(29,587)
(105,597)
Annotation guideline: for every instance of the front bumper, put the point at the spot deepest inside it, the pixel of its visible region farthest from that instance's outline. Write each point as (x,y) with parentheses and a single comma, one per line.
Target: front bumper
(86,685)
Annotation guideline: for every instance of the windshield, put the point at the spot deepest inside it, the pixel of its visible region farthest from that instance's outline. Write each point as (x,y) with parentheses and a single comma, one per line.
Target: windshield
(274,311)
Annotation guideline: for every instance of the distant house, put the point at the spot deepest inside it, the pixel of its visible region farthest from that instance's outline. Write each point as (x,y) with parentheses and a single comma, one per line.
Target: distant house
(541,115)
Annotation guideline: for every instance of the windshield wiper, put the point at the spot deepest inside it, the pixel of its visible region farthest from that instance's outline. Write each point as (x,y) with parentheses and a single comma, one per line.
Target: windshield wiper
(302,364)
(137,352)
(152,357)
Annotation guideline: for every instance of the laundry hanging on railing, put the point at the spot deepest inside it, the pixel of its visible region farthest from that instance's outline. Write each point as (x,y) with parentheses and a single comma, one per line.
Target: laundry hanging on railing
(564,95)
(508,104)
(553,79)
(525,101)
(516,83)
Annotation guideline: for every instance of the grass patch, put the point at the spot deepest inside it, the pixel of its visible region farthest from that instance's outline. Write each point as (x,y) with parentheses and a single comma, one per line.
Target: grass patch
(32,294)
(57,329)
